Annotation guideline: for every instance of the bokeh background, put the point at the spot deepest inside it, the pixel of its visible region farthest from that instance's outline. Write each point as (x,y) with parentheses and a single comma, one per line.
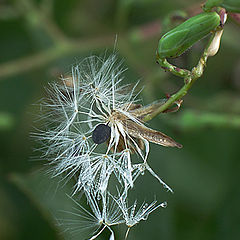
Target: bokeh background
(41,39)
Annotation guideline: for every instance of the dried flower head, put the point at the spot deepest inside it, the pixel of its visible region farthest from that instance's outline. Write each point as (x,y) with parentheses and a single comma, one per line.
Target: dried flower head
(95,125)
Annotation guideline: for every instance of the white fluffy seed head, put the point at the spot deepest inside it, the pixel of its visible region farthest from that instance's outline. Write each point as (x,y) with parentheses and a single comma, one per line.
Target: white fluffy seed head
(91,96)
(76,105)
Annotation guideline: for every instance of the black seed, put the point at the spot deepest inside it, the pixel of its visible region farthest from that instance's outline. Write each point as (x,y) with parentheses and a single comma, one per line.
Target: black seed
(101,134)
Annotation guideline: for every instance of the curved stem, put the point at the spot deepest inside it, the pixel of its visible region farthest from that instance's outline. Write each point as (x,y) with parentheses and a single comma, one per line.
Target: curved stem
(189,78)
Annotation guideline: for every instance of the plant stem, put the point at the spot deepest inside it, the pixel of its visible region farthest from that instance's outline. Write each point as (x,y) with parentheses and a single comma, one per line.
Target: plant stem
(172,69)
(189,78)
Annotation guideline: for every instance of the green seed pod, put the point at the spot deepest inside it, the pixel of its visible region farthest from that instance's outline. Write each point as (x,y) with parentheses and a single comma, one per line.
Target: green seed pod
(211,4)
(231,5)
(178,40)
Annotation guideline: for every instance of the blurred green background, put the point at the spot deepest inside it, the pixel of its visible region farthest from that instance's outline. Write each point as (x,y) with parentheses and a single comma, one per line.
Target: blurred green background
(40,39)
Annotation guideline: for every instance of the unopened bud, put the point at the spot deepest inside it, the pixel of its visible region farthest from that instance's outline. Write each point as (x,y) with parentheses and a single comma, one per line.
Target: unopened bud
(214,46)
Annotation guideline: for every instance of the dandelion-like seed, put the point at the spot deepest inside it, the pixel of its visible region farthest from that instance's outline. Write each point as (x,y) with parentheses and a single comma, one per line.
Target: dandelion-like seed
(95,125)
(132,215)
(102,214)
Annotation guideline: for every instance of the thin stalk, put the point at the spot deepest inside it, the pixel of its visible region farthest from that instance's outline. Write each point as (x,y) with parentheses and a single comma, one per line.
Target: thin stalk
(189,78)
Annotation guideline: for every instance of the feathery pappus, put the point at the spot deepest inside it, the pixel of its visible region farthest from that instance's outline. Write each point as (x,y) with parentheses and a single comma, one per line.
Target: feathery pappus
(95,125)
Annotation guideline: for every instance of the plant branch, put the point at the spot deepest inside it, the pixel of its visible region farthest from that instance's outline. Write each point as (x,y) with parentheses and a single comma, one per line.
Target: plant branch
(189,78)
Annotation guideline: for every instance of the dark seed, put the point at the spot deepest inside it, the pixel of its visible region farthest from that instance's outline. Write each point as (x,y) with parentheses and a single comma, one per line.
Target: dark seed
(101,134)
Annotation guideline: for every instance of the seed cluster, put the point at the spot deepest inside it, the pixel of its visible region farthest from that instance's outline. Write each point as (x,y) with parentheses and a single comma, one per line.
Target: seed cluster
(94,127)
